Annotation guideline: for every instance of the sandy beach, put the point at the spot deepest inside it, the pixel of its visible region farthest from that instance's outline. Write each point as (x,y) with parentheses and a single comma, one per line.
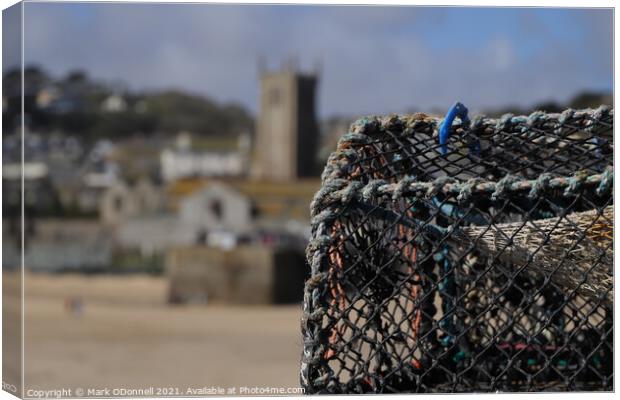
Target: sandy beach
(122,334)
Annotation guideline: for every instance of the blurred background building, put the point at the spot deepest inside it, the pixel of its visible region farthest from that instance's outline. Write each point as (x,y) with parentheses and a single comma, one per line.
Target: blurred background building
(99,203)
(287,132)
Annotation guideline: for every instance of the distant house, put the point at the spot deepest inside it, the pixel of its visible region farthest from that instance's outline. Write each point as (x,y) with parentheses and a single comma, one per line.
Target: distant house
(187,159)
(271,203)
(218,213)
(121,201)
(177,164)
(117,204)
(217,207)
(114,103)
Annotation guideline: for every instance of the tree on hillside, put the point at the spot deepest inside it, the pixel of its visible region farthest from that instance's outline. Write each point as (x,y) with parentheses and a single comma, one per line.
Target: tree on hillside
(74,104)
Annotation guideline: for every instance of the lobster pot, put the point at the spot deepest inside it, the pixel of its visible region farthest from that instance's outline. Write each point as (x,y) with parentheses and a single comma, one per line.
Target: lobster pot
(482,265)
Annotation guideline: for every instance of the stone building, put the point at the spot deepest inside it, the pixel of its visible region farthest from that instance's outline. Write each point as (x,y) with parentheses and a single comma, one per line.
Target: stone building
(240,205)
(249,274)
(60,245)
(217,212)
(121,201)
(287,134)
(214,212)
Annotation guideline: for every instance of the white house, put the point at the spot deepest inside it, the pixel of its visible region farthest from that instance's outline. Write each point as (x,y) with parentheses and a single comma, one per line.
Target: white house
(177,164)
(217,208)
(216,215)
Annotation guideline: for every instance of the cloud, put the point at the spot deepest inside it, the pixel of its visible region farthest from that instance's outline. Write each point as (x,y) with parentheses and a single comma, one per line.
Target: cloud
(375,59)
(501,53)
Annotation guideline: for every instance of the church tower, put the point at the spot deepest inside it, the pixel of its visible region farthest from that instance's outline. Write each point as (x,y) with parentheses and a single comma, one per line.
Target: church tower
(287,133)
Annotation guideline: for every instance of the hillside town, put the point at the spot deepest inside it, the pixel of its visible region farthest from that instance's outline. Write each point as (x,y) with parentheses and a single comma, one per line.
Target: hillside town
(97,203)
(168,183)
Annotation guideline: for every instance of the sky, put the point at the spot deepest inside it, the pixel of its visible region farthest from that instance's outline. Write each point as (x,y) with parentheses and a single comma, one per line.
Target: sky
(375,59)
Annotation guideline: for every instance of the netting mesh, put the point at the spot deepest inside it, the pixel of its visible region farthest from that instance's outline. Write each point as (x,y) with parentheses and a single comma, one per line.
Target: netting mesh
(487,268)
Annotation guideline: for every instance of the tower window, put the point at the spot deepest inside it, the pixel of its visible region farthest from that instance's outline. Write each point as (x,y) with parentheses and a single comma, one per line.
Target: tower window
(274,96)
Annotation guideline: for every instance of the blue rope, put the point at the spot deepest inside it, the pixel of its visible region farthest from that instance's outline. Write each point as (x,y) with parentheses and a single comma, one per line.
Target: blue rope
(457,110)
